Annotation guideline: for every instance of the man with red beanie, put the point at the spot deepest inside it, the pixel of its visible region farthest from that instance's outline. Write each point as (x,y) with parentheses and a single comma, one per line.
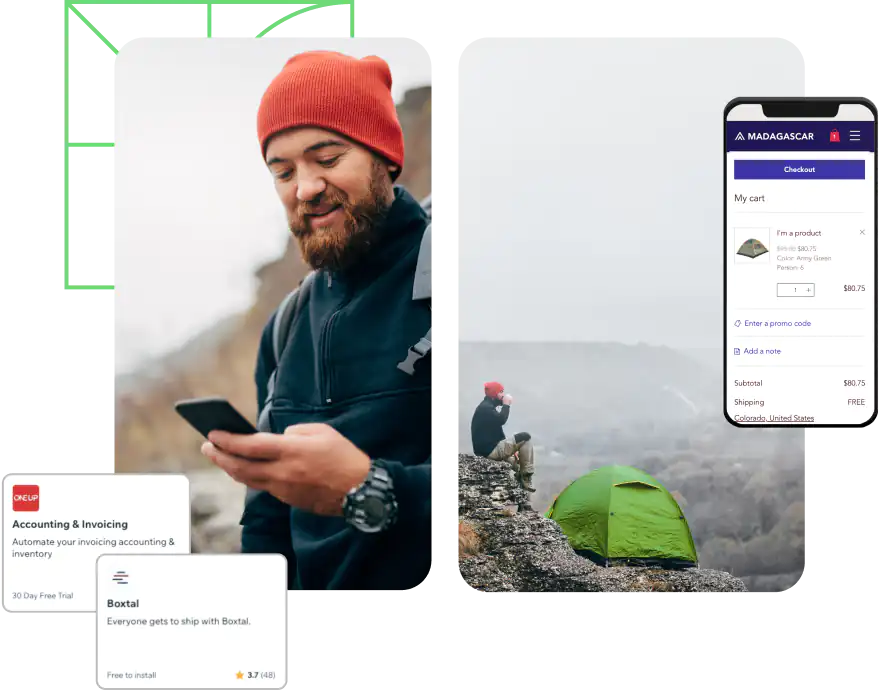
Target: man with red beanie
(489,441)
(339,474)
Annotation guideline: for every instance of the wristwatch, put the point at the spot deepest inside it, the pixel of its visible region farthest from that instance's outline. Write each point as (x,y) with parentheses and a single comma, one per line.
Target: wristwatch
(371,507)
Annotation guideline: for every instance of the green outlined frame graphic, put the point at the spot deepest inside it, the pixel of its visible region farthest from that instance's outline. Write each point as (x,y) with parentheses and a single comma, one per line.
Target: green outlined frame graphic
(72,8)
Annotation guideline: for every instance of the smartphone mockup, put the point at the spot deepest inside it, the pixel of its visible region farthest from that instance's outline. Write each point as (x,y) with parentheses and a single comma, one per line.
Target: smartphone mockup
(800,268)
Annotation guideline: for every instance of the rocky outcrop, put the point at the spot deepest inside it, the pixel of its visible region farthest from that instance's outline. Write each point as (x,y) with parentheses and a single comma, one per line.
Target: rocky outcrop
(518,550)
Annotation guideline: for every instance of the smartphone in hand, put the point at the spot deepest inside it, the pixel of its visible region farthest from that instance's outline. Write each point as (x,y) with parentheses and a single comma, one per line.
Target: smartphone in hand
(213,414)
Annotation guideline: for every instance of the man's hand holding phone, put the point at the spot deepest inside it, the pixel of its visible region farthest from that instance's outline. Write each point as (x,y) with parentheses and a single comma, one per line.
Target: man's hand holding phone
(309,466)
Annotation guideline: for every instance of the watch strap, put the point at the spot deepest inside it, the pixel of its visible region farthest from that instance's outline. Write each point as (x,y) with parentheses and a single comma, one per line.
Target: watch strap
(378,484)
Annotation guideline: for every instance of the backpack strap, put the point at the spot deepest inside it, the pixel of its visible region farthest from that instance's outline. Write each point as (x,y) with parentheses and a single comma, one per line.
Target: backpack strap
(421,290)
(286,314)
(422,283)
(416,352)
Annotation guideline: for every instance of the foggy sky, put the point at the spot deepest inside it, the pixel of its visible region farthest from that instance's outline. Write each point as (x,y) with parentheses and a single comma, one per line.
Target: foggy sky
(196,210)
(591,184)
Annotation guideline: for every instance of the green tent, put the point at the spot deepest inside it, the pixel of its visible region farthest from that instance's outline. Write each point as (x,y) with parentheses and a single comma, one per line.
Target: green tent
(621,514)
(752,248)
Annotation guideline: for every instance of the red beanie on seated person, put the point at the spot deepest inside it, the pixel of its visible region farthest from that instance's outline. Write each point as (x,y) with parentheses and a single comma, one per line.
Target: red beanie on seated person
(493,389)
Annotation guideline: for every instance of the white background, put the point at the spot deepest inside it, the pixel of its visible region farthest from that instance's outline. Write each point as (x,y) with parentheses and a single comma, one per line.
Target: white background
(202,586)
(43,652)
(55,366)
(153,506)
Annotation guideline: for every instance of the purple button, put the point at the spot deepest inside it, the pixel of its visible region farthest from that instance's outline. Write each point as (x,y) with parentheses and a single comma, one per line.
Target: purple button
(799,170)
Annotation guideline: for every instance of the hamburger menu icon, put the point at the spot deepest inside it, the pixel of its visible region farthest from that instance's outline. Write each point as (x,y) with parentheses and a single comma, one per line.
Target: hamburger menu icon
(752,248)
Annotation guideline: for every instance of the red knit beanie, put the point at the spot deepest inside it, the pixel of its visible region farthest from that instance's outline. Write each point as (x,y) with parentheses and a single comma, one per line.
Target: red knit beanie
(493,389)
(336,92)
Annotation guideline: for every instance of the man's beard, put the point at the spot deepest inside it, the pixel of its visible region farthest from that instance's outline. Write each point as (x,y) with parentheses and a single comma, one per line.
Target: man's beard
(338,248)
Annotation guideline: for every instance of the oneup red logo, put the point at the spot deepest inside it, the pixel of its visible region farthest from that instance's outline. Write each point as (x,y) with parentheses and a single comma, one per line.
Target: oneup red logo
(26,497)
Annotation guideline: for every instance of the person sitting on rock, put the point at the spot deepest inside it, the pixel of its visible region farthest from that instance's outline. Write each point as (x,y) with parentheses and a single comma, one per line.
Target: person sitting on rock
(489,441)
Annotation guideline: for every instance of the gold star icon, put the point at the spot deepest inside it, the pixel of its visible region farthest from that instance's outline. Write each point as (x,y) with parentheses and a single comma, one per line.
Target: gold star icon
(239,675)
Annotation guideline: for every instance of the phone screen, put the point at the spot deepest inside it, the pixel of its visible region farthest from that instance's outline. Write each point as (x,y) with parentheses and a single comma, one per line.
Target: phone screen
(800,262)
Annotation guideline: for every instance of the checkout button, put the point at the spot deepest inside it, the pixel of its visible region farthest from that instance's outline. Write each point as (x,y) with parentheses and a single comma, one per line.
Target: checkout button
(800,170)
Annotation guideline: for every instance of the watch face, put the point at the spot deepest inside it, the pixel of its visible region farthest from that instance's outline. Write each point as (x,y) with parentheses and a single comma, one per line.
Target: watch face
(373,508)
